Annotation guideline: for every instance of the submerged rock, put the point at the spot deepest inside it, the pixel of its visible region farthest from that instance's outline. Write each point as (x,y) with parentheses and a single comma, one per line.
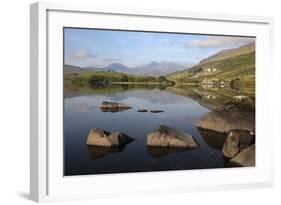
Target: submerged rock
(170,137)
(142,110)
(99,137)
(229,116)
(156,111)
(107,104)
(246,157)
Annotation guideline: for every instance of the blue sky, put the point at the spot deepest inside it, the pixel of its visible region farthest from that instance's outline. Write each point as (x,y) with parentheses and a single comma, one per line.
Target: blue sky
(99,48)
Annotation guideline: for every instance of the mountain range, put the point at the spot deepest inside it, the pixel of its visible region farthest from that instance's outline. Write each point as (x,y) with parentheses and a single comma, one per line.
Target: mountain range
(150,69)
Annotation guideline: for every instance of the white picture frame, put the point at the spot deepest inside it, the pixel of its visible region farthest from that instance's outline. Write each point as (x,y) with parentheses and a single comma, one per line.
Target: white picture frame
(47,182)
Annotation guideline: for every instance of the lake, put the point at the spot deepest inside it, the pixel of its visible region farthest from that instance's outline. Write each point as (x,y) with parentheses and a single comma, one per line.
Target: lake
(183,107)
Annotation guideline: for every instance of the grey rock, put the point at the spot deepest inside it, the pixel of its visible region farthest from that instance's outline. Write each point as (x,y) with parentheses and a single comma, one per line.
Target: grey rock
(169,137)
(229,116)
(236,141)
(231,145)
(246,157)
(99,137)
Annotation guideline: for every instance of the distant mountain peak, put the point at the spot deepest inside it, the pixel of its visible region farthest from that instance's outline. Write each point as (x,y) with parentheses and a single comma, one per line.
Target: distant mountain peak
(116,64)
(117,67)
(119,64)
(153,63)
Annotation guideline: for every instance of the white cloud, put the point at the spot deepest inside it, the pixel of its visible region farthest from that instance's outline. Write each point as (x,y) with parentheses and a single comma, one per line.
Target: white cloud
(219,41)
(80,55)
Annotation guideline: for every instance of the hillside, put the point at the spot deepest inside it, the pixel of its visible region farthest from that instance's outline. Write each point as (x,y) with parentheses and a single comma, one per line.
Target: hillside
(86,77)
(234,66)
(70,69)
(228,53)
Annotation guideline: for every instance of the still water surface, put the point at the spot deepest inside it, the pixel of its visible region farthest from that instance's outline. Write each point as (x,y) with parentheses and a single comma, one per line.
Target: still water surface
(182,110)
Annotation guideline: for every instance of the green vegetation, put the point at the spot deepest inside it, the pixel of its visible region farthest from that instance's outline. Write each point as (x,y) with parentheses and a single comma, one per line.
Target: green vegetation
(238,71)
(111,89)
(111,77)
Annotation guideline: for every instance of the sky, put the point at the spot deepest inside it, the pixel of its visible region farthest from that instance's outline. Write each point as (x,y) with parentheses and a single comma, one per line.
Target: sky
(99,48)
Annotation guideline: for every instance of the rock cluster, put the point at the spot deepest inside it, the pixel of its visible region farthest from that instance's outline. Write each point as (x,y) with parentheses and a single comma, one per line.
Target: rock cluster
(237,120)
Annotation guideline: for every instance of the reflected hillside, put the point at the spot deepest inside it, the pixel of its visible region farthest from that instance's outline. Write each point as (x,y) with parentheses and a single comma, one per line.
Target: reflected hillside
(210,96)
(110,89)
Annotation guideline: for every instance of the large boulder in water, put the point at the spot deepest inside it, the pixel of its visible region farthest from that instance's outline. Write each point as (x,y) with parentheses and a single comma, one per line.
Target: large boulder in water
(236,141)
(113,107)
(99,137)
(246,157)
(169,137)
(229,116)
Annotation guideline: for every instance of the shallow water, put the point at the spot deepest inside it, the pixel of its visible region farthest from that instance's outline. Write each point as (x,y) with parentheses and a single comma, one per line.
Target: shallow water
(182,110)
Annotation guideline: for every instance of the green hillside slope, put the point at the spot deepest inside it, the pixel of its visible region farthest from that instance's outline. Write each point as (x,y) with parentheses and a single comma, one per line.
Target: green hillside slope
(236,71)
(228,53)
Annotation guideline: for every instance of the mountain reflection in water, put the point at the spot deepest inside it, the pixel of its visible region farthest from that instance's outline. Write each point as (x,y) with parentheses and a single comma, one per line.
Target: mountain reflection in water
(183,106)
